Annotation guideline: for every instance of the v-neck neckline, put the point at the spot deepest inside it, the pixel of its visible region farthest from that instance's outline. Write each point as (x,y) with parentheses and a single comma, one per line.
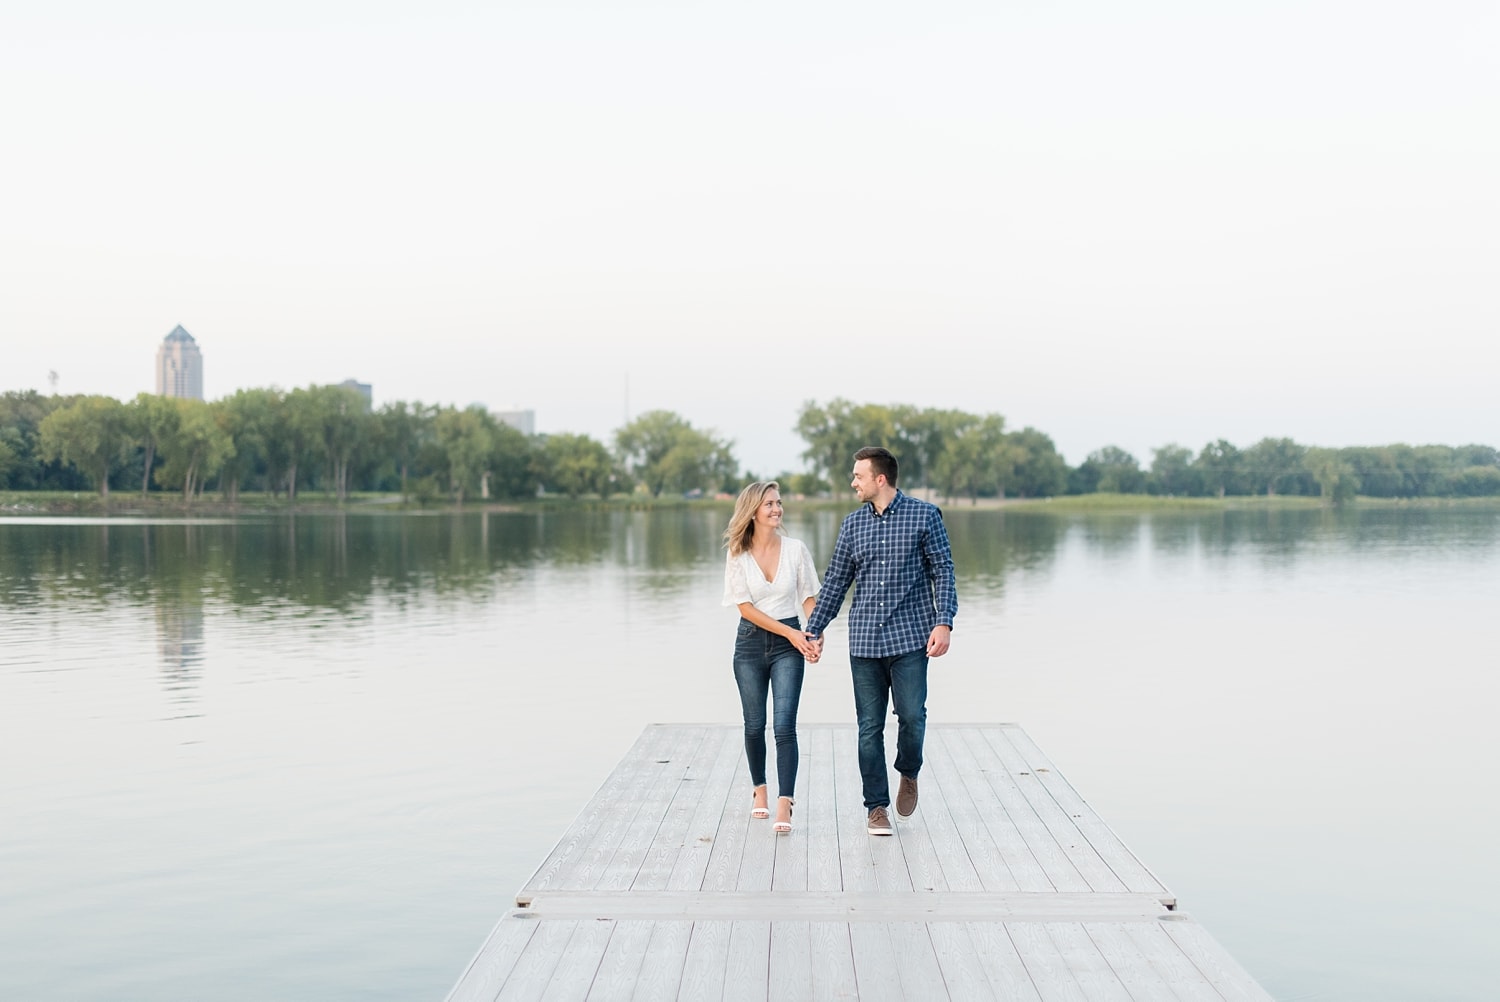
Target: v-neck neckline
(780,546)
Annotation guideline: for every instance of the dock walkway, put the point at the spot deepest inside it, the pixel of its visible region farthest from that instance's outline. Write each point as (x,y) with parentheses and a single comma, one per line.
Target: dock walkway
(1005,885)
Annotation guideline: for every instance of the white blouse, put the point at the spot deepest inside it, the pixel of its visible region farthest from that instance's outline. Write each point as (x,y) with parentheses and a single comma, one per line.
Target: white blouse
(795,582)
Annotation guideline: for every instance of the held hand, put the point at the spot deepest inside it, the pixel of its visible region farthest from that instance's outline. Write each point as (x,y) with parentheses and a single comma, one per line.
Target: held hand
(808,645)
(937,643)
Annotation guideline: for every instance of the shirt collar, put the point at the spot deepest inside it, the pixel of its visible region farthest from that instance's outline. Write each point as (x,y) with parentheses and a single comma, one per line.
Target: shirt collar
(890,509)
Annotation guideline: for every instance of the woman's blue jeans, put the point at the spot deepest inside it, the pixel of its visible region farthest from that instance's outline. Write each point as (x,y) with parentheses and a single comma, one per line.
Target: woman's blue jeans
(878,682)
(765,661)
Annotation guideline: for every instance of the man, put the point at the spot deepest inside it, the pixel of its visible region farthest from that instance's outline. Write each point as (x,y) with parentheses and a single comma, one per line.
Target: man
(895,550)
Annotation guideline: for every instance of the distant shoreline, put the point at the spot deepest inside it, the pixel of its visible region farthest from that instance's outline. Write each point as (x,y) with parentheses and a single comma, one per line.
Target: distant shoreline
(168,505)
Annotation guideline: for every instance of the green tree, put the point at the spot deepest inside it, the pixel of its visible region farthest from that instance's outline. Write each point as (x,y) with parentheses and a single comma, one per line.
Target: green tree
(295,430)
(21,416)
(1040,470)
(576,465)
(512,466)
(836,432)
(252,419)
(919,437)
(1466,456)
(1273,466)
(1377,470)
(1220,467)
(668,453)
(92,433)
(195,450)
(341,425)
(152,420)
(976,459)
(465,441)
(404,428)
(1172,471)
(1119,471)
(10,460)
(1337,482)
(1476,481)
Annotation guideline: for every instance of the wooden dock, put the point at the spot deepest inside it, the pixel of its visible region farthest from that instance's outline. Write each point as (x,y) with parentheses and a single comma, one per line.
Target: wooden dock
(1005,885)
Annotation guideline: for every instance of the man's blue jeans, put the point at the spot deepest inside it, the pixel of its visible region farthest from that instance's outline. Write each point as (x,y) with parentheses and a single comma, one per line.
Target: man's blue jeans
(766,661)
(902,678)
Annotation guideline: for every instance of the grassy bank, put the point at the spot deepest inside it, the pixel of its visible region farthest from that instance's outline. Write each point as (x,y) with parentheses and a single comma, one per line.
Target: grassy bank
(168,505)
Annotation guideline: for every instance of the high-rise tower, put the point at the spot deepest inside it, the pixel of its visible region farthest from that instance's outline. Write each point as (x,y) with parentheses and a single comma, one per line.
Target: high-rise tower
(179,366)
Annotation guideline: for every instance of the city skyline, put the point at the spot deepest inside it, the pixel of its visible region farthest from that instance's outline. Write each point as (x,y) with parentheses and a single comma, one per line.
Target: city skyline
(1129,226)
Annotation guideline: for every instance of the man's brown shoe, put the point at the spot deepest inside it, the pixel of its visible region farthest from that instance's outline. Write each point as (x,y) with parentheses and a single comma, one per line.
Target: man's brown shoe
(906,799)
(878,823)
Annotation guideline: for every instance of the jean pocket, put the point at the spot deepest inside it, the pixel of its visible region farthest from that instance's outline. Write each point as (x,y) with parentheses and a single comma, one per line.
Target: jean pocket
(745,631)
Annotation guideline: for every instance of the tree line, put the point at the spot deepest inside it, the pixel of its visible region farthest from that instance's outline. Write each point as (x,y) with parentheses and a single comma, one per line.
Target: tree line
(328,439)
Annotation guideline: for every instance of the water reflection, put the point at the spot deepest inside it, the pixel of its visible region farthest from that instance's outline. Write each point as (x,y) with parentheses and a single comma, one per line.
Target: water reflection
(1281,535)
(179,643)
(338,562)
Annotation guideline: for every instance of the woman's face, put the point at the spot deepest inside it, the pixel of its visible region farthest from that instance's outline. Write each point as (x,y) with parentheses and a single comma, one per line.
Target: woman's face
(768,515)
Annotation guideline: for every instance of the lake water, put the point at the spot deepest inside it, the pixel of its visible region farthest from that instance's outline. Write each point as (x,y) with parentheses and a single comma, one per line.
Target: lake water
(314,757)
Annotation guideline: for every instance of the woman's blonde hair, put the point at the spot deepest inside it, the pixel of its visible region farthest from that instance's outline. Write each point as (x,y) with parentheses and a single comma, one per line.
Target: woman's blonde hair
(742,522)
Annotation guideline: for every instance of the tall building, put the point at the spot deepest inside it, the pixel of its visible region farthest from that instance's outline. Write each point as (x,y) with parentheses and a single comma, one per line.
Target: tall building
(522,421)
(179,366)
(363,389)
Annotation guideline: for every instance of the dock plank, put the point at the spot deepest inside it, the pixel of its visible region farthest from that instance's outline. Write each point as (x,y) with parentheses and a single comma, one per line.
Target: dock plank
(664,961)
(791,961)
(1045,965)
(935,816)
(747,970)
(1063,828)
(963,972)
(487,972)
(875,973)
(650,807)
(537,964)
(1122,862)
(1004,885)
(1018,811)
(1088,966)
(620,967)
(833,973)
(579,963)
(707,961)
(1001,963)
(1216,964)
(855,865)
(677,836)
(694,854)
(599,823)
(1181,975)
(818,813)
(991,823)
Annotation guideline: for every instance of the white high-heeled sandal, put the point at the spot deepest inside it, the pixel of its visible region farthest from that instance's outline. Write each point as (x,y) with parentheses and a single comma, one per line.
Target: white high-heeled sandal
(758,813)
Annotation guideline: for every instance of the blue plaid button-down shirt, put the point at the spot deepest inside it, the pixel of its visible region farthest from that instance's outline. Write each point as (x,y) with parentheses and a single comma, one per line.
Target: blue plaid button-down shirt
(903,569)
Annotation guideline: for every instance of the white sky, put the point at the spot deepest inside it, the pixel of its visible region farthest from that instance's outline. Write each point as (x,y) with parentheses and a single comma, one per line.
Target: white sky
(1125,224)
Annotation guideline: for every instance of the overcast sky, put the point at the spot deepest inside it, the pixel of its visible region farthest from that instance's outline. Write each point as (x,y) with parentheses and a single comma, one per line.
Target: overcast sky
(1127,224)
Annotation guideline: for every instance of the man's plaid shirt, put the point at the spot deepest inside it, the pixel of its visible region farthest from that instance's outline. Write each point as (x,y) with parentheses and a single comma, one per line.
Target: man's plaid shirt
(903,569)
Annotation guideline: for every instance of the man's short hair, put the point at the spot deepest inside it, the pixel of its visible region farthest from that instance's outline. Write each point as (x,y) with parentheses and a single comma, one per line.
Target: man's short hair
(881,462)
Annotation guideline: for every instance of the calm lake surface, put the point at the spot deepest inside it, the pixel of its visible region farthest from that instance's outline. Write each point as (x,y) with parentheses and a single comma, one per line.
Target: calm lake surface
(314,757)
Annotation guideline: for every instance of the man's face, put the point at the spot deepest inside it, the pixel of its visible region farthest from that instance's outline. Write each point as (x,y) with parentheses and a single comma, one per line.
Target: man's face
(866,483)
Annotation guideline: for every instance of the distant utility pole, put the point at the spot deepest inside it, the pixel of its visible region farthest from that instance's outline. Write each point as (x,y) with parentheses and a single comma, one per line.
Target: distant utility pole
(52,380)
(627,398)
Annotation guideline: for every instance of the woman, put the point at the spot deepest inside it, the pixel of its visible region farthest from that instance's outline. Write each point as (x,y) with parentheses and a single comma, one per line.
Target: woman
(769,576)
